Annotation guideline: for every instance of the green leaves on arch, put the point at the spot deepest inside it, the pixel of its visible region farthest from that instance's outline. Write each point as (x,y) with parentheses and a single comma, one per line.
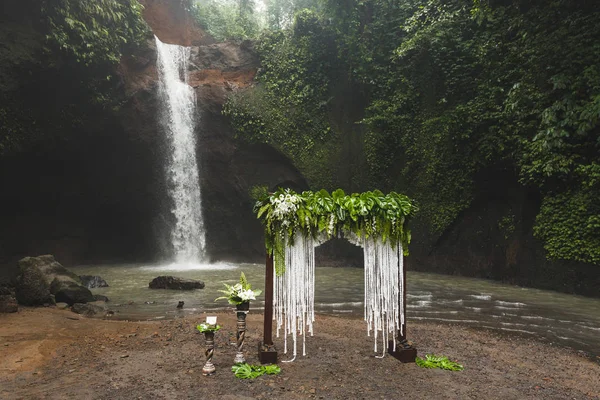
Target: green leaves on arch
(369,214)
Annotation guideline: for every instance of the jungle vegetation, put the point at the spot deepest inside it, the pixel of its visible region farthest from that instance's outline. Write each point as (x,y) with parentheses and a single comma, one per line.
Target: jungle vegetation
(57,64)
(430,97)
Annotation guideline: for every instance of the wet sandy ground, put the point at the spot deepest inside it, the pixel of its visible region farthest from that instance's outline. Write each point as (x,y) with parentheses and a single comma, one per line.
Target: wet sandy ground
(47,353)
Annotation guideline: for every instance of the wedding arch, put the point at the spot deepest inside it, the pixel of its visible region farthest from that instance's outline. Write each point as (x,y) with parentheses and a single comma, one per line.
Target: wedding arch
(296,223)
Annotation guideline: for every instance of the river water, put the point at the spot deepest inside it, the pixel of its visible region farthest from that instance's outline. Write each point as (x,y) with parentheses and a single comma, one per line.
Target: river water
(563,319)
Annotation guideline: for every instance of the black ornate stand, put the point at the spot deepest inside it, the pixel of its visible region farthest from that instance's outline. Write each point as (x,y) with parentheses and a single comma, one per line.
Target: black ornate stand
(241,311)
(209,367)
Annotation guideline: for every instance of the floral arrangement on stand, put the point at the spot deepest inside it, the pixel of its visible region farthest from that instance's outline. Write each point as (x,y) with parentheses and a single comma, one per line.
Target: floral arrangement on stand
(239,293)
(209,329)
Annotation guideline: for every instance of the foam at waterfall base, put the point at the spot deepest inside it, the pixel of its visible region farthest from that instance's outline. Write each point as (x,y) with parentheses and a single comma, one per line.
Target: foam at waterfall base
(191,266)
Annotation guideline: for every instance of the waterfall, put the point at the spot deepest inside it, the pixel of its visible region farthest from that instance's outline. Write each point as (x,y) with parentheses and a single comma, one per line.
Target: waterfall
(178,106)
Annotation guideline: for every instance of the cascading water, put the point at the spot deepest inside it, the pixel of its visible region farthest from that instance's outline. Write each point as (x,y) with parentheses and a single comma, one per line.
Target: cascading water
(178,121)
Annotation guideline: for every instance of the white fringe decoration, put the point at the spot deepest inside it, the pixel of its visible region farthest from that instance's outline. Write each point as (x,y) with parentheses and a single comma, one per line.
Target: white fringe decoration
(384,285)
(294,291)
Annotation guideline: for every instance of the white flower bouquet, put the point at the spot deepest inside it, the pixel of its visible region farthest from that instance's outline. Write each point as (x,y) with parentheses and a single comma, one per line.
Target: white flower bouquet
(239,293)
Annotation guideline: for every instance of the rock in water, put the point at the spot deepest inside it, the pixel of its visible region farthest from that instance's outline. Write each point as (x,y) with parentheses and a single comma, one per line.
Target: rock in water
(43,280)
(180,305)
(92,281)
(100,297)
(171,282)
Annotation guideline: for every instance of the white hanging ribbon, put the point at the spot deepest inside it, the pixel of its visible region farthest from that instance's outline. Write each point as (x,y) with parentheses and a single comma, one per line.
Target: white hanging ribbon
(294,291)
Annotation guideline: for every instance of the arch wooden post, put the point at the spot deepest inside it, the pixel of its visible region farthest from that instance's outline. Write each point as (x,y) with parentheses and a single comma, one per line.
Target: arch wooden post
(267,354)
(404,351)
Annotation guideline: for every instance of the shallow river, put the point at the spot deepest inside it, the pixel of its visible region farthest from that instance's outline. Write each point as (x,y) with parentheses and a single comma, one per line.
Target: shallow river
(568,320)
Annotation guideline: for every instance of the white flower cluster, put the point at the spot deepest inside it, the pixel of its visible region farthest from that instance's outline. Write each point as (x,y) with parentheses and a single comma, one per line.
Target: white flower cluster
(331,224)
(247,295)
(240,292)
(285,205)
(205,327)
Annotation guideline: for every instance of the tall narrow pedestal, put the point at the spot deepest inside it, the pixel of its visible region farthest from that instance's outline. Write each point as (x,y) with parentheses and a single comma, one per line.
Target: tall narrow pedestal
(404,352)
(241,311)
(267,353)
(209,367)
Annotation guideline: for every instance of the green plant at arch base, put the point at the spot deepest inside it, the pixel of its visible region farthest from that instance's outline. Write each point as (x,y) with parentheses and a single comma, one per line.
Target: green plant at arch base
(441,362)
(247,371)
(286,213)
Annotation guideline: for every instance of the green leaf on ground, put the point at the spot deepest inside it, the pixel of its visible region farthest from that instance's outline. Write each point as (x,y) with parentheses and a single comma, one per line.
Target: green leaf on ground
(441,362)
(247,371)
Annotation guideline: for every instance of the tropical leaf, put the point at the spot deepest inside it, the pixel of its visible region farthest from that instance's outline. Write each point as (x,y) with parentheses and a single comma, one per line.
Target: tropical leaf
(441,362)
(247,371)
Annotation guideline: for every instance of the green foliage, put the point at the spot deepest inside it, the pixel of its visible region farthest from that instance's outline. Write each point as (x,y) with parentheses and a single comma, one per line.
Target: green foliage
(454,92)
(258,192)
(280,13)
(244,282)
(247,371)
(247,19)
(507,225)
(569,225)
(94,31)
(204,327)
(289,108)
(441,362)
(57,64)
(228,19)
(370,214)
(497,88)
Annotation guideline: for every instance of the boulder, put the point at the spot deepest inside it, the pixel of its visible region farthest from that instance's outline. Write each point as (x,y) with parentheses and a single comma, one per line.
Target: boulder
(99,297)
(92,281)
(89,309)
(43,280)
(67,291)
(33,289)
(171,282)
(49,266)
(8,302)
